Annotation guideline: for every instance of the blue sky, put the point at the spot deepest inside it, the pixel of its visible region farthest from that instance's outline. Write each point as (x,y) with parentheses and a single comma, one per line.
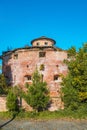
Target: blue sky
(23,20)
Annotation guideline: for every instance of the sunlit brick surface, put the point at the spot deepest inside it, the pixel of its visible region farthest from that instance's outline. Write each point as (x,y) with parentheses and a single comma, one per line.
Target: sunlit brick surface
(20,64)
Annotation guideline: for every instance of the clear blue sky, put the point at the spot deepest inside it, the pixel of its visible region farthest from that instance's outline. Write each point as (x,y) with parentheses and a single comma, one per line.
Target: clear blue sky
(23,20)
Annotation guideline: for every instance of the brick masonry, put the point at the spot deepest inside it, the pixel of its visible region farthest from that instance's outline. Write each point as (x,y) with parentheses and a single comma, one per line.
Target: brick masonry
(3,103)
(20,64)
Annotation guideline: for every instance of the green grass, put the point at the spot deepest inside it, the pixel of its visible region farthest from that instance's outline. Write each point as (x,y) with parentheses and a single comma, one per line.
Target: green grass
(6,115)
(62,114)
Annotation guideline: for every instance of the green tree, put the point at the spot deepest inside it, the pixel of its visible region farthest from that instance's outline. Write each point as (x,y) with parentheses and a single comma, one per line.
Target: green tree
(38,94)
(75,83)
(0,67)
(3,86)
(12,101)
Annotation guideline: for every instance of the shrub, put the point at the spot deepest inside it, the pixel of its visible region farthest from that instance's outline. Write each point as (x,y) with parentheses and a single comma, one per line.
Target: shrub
(12,101)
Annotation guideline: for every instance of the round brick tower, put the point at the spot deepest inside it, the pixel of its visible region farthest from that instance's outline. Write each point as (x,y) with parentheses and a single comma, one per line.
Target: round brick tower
(20,64)
(43,41)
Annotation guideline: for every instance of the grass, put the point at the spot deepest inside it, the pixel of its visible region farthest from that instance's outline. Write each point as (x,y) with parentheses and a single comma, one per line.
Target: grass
(5,115)
(62,114)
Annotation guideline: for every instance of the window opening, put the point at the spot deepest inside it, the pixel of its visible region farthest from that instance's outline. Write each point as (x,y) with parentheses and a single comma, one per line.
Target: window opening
(46,43)
(15,56)
(57,66)
(37,43)
(42,54)
(56,77)
(27,77)
(27,66)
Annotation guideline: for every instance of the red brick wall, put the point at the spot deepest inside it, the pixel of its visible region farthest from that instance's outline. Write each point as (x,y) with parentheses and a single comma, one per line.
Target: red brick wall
(28,60)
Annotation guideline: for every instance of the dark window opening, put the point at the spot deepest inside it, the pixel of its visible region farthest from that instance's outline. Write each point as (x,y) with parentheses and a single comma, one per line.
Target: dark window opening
(46,43)
(15,56)
(42,54)
(57,66)
(37,43)
(27,66)
(27,77)
(56,77)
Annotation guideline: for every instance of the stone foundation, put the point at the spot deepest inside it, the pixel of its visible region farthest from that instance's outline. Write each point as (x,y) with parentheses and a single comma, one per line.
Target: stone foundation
(3,103)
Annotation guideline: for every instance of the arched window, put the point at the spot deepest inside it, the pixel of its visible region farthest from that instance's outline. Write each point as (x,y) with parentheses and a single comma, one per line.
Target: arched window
(27,77)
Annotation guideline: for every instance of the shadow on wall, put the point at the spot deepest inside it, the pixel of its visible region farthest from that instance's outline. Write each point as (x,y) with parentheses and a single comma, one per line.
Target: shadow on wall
(8,74)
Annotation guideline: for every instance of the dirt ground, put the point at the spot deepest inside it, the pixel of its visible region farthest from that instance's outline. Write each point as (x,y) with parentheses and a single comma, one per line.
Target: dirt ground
(44,125)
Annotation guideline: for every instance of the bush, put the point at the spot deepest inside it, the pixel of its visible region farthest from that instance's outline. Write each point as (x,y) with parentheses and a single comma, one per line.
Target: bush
(12,101)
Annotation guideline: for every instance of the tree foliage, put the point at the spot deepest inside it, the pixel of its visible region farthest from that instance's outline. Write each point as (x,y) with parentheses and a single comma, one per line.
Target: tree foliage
(3,86)
(38,94)
(12,99)
(75,83)
(0,67)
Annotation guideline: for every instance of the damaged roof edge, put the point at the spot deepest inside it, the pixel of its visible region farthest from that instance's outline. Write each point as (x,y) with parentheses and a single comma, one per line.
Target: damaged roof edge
(29,47)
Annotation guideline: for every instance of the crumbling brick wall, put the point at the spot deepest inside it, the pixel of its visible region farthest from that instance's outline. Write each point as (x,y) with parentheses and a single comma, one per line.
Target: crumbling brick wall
(3,103)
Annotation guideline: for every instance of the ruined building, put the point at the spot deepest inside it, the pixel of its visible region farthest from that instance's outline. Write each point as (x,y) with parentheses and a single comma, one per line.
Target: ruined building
(19,65)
